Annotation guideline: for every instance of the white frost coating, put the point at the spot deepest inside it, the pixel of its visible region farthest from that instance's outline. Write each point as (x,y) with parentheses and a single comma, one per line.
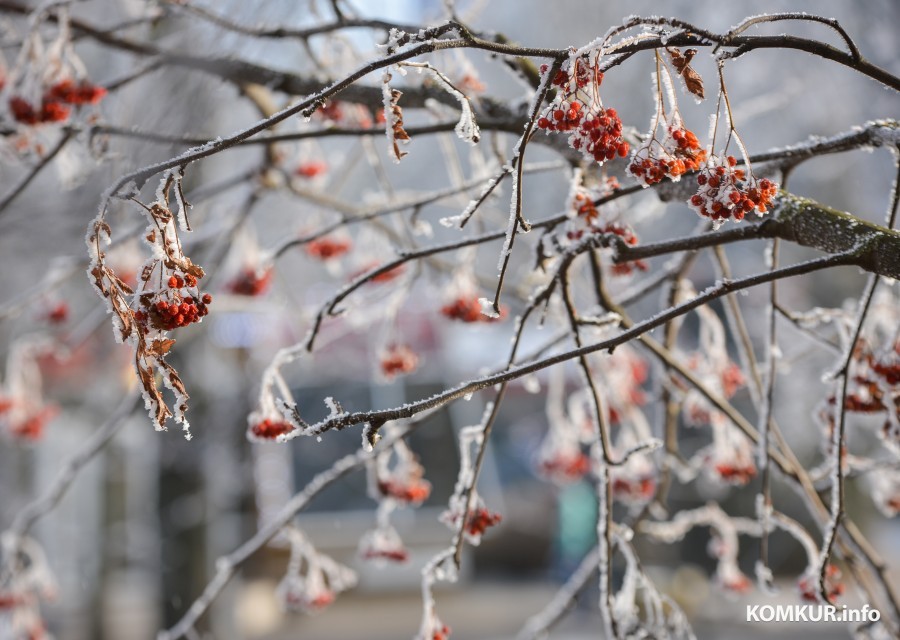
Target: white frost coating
(531,384)
(387,98)
(312,579)
(334,409)
(513,217)
(764,578)
(453,221)
(175,176)
(466,129)
(431,626)
(423,228)
(371,437)
(487,308)
(459,220)
(885,132)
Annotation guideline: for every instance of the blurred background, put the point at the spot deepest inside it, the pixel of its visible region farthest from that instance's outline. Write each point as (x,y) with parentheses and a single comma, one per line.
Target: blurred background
(135,540)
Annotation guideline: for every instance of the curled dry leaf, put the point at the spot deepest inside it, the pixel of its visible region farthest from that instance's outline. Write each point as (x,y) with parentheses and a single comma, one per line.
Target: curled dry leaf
(399,133)
(682,63)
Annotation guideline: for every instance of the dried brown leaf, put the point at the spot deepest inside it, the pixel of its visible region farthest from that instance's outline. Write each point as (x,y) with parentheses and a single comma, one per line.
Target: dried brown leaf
(399,133)
(682,63)
(161,346)
(693,82)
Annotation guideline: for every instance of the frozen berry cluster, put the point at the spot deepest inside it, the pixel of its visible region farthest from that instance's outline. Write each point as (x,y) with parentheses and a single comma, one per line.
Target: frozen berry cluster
(270,428)
(592,129)
(412,490)
(177,306)
(251,282)
(56,103)
(398,359)
(468,309)
(726,192)
(328,248)
(676,154)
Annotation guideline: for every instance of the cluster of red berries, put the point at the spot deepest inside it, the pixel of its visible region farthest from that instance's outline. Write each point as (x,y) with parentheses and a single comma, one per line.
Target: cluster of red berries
(271,428)
(327,248)
(736,582)
(597,135)
(633,490)
(383,544)
(479,520)
(415,491)
(11,600)
(78,94)
(679,153)
(563,468)
(311,169)
(440,632)
(725,192)
(886,366)
(866,398)
(337,111)
(889,371)
(32,426)
(174,308)
(628,235)
(49,111)
(584,207)
(468,309)
(736,473)
(305,601)
(834,588)
(868,393)
(399,555)
(732,379)
(585,74)
(891,505)
(398,359)
(58,313)
(633,394)
(470,83)
(391,554)
(55,103)
(332,110)
(593,130)
(251,282)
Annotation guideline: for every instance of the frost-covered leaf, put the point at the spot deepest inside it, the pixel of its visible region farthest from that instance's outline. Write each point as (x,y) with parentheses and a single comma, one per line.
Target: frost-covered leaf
(682,63)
